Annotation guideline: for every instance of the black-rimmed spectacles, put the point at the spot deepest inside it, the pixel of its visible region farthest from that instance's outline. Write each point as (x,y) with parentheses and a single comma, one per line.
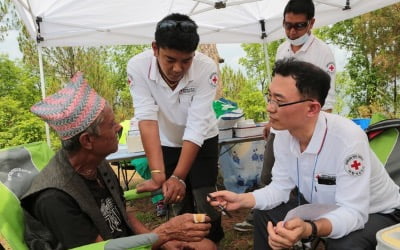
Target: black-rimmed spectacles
(184,26)
(277,104)
(296,26)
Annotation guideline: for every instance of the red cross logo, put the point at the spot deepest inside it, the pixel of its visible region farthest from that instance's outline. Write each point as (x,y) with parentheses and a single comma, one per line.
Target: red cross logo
(214,79)
(355,165)
(331,67)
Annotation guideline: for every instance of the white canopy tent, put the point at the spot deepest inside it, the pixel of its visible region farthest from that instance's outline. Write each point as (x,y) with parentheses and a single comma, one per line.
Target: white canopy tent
(56,23)
(119,22)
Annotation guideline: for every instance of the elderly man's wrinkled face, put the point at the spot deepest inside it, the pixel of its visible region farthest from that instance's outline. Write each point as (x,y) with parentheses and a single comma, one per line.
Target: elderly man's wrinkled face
(107,141)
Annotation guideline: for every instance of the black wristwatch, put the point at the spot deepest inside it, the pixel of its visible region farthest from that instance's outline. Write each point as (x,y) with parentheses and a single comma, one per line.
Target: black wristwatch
(314,231)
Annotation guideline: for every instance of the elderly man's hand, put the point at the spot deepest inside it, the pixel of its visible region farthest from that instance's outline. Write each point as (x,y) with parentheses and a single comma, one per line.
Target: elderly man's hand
(151,185)
(183,228)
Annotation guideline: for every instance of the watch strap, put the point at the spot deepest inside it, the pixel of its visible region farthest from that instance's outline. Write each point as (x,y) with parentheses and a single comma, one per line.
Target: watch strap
(314,231)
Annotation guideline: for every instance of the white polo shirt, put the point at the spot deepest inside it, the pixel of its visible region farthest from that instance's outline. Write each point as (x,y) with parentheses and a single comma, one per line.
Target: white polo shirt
(340,169)
(185,113)
(318,53)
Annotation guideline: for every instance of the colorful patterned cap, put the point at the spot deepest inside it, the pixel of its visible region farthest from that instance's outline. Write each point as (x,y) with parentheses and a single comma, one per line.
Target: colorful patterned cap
(72,109)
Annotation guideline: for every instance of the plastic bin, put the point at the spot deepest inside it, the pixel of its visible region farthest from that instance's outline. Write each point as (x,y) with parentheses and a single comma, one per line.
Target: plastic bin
(362,122)
(388,238)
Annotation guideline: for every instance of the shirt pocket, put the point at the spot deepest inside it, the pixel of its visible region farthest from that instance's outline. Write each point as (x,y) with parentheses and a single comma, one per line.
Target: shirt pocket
(185,98)
(326,188)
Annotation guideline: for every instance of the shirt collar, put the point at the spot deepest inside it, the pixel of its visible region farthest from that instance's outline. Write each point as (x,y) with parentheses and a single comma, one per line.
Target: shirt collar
(304,47)
(154,74)
(317,139)
(308,43)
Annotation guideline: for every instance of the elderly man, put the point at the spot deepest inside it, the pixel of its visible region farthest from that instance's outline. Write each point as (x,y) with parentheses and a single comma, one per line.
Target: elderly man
(327,158)
(77,197)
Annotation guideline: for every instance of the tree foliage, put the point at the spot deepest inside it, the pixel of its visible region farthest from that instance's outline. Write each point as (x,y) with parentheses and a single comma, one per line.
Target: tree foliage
(373,41)
(255,62)
(244,92)
(18,92)
(104,68)
(8,18)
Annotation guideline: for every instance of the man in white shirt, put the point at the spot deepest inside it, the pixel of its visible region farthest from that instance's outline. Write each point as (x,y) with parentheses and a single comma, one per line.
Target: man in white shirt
(173,88)
(328,160)
(298,20)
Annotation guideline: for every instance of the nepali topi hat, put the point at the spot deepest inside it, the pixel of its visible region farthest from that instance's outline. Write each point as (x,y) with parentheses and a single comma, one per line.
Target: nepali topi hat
(72,109)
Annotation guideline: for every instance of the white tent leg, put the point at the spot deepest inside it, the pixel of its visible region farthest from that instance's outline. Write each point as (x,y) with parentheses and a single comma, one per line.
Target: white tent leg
(43,89)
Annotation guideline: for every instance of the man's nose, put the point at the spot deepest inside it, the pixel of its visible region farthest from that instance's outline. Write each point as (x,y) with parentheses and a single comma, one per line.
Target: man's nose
(118,128)
(177,67)
(271,107)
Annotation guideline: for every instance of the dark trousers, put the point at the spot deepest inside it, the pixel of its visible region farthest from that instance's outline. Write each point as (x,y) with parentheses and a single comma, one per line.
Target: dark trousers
(200,181)
(363,239)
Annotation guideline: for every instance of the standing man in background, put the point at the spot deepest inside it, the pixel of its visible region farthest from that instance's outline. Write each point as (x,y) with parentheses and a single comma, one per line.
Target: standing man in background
(298,20)
(173,88)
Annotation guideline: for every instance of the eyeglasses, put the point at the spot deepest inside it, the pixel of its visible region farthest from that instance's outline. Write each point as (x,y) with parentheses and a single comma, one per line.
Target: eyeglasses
(184,26)
(277,105)
(296,26)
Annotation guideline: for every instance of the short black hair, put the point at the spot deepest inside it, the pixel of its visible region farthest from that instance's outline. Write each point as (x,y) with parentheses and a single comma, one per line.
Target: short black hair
(181,35)
(311,81)
(305,7)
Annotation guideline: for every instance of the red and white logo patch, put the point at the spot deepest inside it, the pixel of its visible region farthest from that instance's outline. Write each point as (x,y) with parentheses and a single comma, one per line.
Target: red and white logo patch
(354,165)
(213,80)
(331,67)
(130,80)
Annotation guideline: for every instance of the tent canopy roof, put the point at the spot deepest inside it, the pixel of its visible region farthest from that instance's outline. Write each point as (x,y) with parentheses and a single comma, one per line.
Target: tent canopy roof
(121,22)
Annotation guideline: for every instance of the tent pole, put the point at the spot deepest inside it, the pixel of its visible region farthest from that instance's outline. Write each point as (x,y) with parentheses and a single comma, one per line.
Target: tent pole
(43,89)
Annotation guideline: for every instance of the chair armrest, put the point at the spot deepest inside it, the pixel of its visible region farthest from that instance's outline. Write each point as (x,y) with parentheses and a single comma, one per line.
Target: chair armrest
(132,194)
(136,242)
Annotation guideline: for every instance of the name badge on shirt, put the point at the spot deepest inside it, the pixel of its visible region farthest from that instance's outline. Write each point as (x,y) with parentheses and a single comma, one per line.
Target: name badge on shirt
(324,179)
(186,94)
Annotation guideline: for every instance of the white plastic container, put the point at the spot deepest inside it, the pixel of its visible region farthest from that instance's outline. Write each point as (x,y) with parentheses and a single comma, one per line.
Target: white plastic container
(133,139)
(248,128)
(249,131)
(225,133)
(388,238)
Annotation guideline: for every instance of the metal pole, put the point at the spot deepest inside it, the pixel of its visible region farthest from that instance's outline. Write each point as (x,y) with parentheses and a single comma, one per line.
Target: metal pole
(43,89)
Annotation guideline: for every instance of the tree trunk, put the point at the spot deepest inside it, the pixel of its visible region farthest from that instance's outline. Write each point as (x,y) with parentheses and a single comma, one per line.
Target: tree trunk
(211,51)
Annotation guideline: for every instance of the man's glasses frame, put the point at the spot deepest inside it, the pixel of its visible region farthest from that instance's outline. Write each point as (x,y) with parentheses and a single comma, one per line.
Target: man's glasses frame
(276,104)
(297,26)
(185,26)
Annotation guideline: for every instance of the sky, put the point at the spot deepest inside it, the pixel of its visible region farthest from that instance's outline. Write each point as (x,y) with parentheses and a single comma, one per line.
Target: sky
(229,52)
(10,46)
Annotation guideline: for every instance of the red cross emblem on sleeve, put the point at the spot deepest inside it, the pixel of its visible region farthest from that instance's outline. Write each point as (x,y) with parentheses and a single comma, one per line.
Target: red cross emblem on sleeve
(331,67)
(213,80)
(354,165)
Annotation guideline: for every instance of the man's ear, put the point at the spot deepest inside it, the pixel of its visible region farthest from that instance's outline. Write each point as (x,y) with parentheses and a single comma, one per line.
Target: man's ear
(155,48)
(314,108)
(312,21)
(86,141)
